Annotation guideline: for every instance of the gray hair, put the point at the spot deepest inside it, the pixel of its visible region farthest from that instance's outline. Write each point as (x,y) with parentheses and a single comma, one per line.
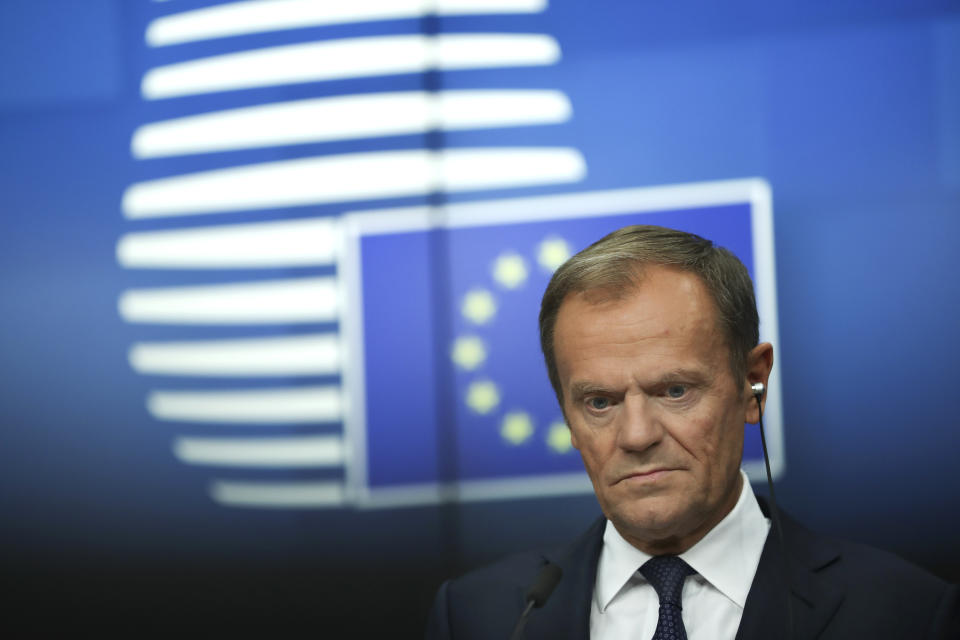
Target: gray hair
(614,264)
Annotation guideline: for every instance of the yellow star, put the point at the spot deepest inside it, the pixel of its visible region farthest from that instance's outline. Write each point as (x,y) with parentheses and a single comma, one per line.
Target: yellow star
(479,306)
(558,437)
(468,352)
(483,396)
(510,270)
(516,427)
(553,252)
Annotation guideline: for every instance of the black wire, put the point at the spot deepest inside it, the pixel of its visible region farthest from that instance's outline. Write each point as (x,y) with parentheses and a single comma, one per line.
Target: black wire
(775,512)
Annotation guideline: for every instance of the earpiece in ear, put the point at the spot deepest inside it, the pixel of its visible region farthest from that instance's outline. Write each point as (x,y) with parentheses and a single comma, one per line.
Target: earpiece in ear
(758,389)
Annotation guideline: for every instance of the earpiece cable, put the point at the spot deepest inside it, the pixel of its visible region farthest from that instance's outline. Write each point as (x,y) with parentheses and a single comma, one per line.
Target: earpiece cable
(774,511)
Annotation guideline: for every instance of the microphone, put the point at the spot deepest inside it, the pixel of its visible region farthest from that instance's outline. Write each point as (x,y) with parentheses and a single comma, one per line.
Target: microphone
(537,595)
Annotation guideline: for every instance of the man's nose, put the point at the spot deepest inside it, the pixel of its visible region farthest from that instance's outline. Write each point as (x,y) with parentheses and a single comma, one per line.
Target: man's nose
(640,426)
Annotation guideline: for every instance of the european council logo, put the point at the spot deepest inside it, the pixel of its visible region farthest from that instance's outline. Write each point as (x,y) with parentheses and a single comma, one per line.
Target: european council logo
(310,356)
(271,119)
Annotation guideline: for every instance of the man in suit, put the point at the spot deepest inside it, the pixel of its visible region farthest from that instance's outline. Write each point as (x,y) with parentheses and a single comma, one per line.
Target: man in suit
(651,342)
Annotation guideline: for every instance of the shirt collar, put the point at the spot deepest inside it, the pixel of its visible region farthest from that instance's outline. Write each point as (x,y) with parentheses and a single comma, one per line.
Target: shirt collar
(727,557)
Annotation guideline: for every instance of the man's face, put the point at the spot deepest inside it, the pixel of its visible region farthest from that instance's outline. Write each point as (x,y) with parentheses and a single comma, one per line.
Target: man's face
(653,407)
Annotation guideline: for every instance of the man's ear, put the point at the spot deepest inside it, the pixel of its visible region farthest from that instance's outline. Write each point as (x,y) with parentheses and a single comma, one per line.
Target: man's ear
(759,366)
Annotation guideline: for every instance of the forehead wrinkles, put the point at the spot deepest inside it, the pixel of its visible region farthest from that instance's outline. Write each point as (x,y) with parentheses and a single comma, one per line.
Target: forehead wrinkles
(676,287)
(671,309)
(669,302)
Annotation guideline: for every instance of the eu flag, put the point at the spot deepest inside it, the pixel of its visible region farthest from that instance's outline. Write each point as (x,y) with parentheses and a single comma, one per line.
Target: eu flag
(450,399)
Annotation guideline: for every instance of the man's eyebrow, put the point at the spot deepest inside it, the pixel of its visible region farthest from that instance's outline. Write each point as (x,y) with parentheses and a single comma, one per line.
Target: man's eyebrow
(693,376)
(580,389)
(683,375)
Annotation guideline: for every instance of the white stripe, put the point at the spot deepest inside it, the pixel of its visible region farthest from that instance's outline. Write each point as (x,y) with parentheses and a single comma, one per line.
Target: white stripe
(348,117)
(764,269)
(264,302)
(498,167)
(314,354)
(353,377)
(278,495)
(283,452)
(257,16)
(357,176)
(553,484)
(288,405)
(552,207)
(347,58)
(286,243)
(467,109)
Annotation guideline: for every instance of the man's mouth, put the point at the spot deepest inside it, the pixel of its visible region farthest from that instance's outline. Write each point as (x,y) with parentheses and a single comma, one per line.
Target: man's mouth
(646,475)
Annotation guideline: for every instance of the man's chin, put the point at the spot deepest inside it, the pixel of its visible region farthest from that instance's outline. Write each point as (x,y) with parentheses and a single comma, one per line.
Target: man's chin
(654,524)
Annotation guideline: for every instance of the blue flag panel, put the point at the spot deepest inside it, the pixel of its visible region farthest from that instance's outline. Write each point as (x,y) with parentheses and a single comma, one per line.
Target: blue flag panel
(455,390)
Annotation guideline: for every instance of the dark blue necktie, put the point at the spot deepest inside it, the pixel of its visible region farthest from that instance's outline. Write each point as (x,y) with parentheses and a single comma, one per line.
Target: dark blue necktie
(666,574)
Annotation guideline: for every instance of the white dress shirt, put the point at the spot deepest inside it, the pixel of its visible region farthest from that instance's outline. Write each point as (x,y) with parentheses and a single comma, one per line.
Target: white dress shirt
(626,607)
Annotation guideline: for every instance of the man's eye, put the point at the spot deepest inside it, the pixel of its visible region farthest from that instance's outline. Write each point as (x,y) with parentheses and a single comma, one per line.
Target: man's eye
(598,404)
(676,390)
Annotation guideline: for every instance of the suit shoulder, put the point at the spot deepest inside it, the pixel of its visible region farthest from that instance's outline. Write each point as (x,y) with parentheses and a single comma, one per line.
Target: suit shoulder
(893,592)
(871,565)
(484,602)
(862,567)
(516,570)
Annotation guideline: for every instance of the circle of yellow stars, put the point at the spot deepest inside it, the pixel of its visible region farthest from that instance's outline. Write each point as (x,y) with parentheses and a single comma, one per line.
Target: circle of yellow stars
(510,270)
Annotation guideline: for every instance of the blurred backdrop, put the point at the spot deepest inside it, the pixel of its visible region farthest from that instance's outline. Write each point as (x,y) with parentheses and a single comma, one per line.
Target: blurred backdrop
(269,272)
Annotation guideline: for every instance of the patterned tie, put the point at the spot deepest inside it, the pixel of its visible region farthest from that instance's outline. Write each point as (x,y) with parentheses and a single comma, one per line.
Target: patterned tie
(666,574)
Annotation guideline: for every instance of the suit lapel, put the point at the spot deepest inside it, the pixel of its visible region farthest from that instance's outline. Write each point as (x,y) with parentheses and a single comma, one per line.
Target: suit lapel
(566,615)
(795,575)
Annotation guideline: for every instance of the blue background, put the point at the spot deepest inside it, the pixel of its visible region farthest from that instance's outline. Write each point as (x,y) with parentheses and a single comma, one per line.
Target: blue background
(851,110)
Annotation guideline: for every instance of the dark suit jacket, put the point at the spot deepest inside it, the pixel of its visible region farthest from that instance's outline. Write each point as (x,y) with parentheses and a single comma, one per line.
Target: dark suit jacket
(837,590)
